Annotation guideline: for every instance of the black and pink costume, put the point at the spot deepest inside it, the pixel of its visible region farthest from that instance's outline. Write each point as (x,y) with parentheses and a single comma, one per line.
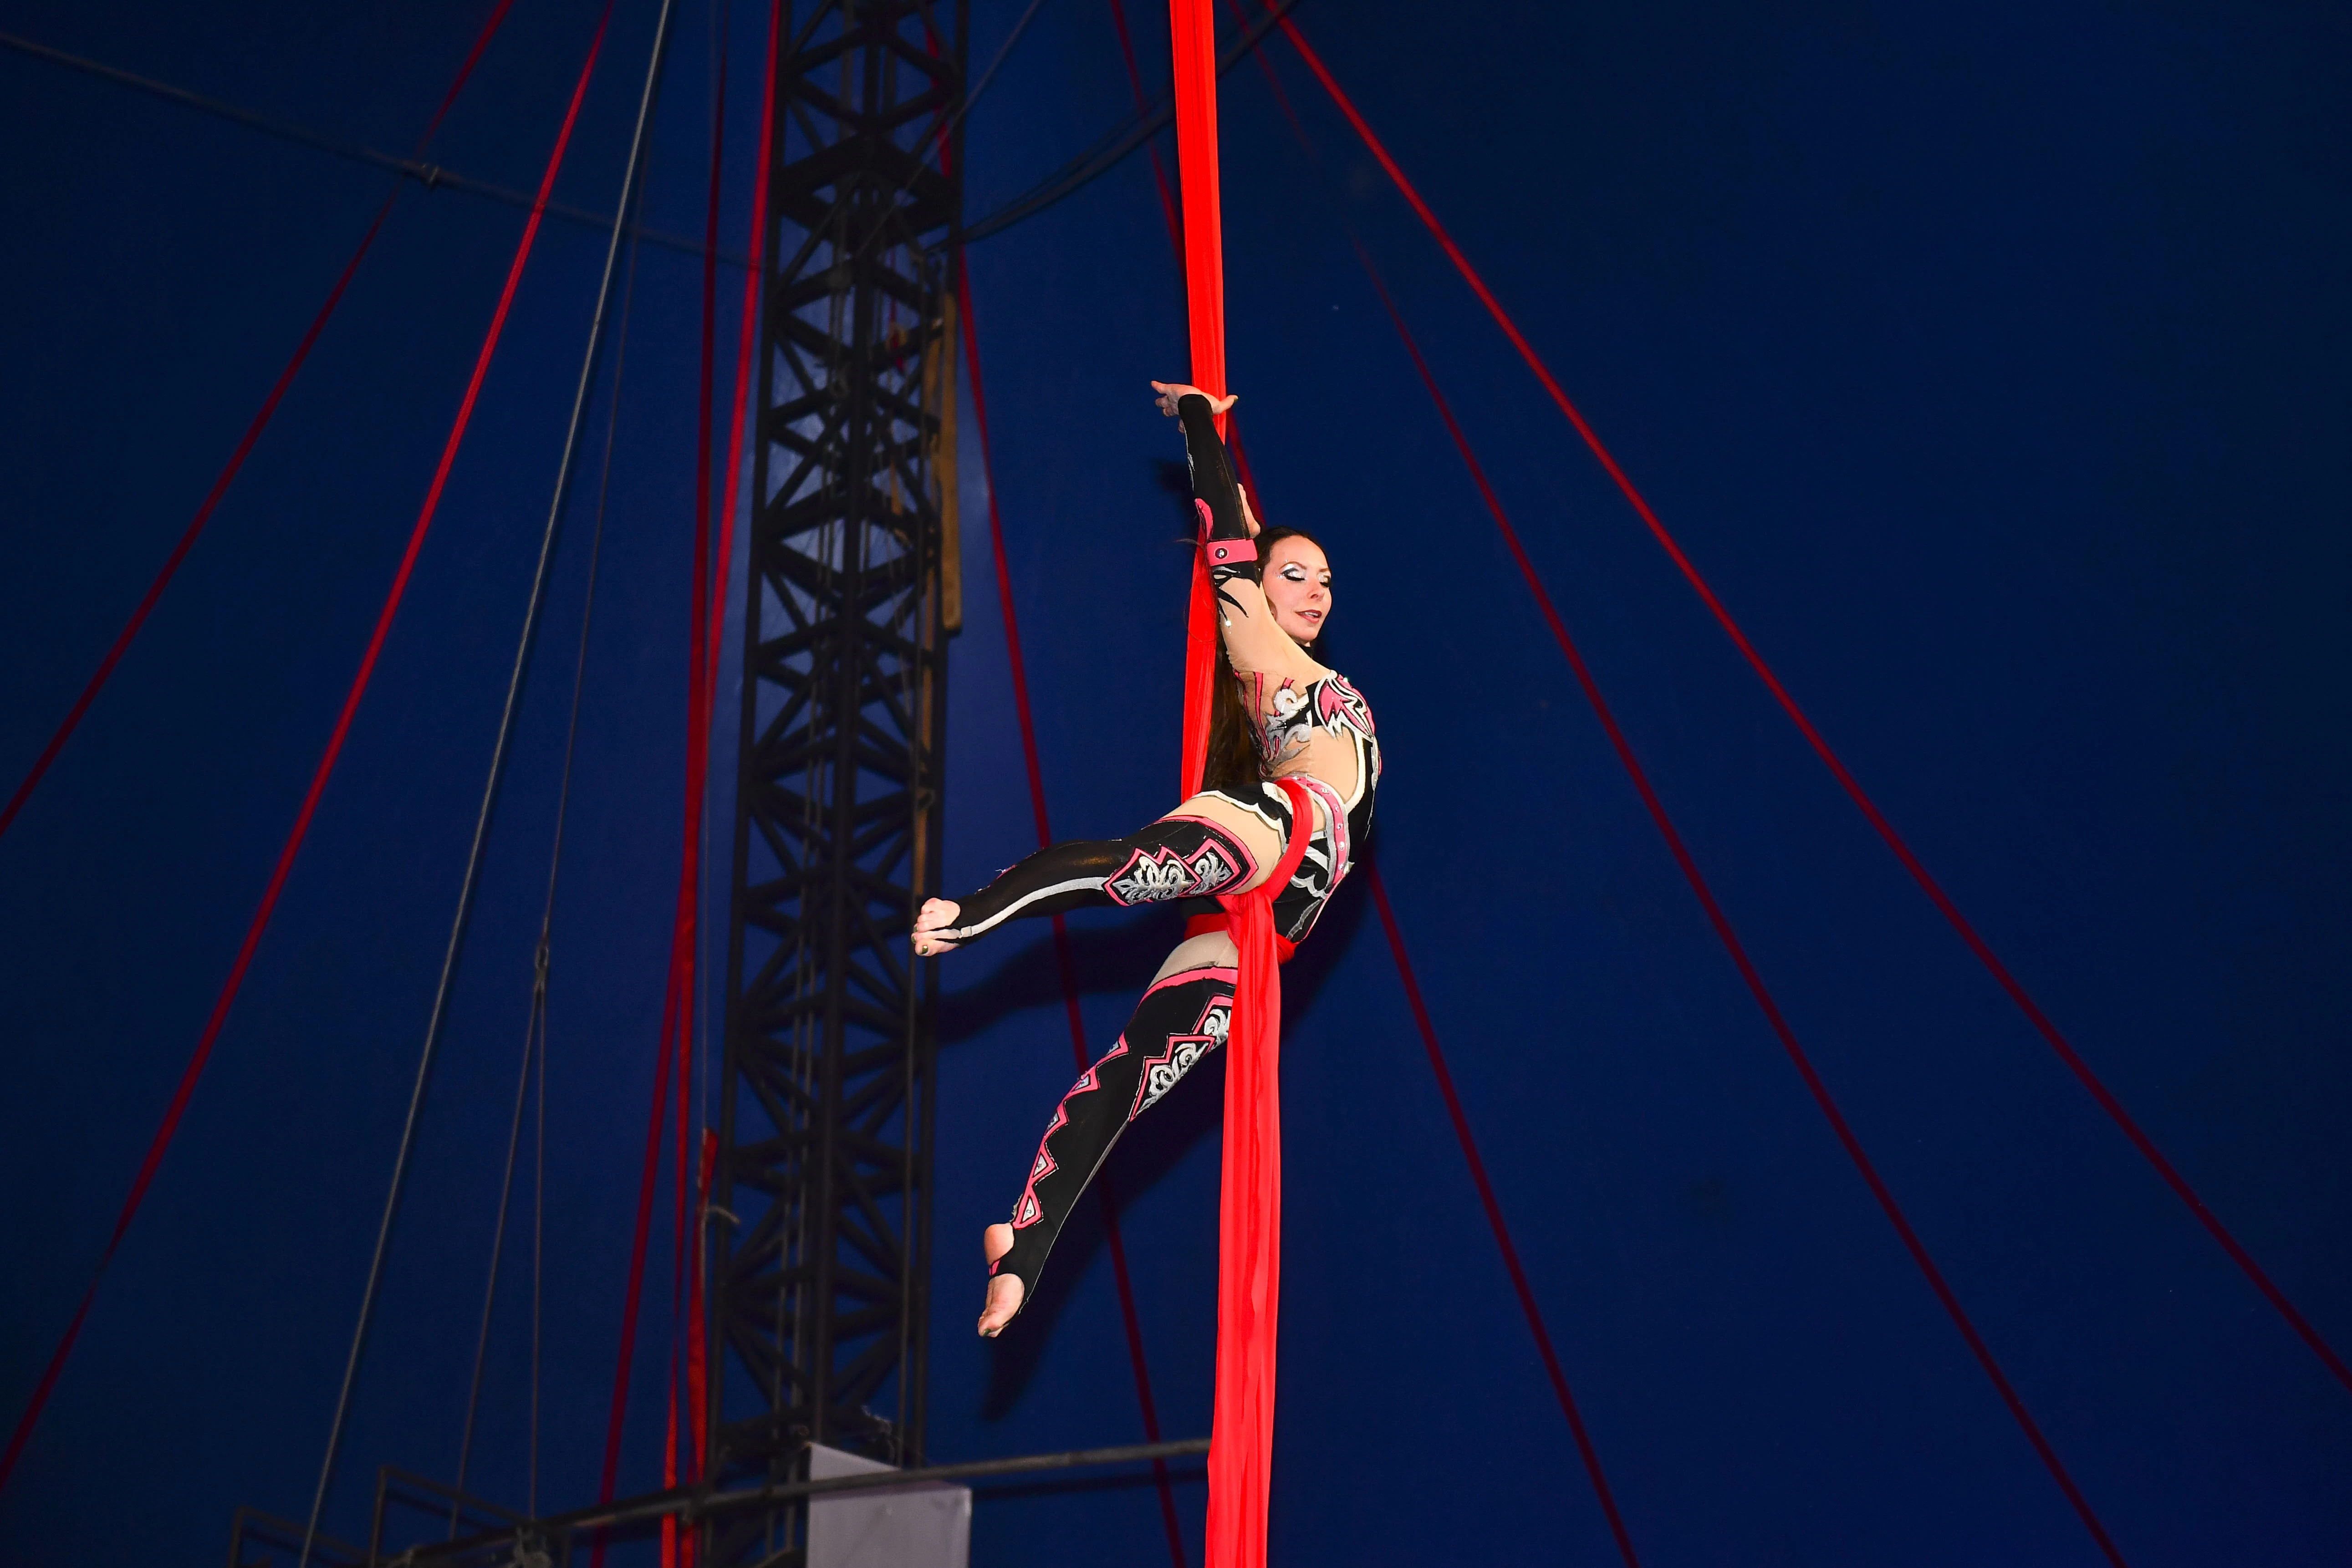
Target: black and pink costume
(1186,860)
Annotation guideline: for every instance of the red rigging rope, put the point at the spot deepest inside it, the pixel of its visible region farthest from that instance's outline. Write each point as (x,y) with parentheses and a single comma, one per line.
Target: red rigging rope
(745,356)
(705,660)
(243,447)
(678,1025)
(219,1017)
(1061,934)
(1142,106)
(634,1290)
(1066,965)
(1977,944)
(1740,960)
(1584,1447)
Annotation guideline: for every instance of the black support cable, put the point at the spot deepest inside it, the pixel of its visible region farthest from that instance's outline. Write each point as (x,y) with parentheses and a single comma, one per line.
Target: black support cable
(947,127)
(1004,51)
(498,1245)
(432,176)
(534,1034)
(629,180)
(1113,149)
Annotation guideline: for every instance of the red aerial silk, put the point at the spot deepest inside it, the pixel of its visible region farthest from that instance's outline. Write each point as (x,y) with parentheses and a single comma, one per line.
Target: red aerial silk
(1249,1218)
(1193,25)
(1249,1198)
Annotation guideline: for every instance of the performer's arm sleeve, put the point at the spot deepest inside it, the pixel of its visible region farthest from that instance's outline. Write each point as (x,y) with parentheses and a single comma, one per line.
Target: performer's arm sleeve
(1212,474)
(1254,643)
(1174,858)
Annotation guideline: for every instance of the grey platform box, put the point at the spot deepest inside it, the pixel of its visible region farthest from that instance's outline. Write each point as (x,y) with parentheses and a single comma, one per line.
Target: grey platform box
(925,1524)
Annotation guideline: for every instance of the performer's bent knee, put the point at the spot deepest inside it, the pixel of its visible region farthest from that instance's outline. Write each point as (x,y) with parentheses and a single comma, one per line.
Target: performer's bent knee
(1181,1018)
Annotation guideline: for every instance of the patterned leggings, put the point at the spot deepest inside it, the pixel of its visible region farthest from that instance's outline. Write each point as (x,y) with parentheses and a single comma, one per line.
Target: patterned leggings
(1180,1020)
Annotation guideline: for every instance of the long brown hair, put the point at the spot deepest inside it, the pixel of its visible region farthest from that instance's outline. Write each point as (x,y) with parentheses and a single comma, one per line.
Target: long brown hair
(1233,763)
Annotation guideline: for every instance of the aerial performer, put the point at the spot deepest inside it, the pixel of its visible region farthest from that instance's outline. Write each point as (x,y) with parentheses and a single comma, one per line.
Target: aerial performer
(1286,800)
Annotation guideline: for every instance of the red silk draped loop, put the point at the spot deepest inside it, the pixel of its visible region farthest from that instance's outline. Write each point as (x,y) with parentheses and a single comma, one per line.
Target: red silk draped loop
(1249,1218)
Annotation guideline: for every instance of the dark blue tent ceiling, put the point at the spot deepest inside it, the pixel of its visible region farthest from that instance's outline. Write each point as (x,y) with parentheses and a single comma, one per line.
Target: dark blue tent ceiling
(1991,364)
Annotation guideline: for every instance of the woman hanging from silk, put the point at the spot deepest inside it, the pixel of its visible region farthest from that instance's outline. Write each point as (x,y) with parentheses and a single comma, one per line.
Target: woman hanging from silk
(1293,764)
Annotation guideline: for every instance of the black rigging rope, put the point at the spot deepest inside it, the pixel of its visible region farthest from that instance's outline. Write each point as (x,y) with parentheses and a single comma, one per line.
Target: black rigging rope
(534,1034)
(1004,51)
(530,1029)
(629,181)
(1114,148)
(432,176)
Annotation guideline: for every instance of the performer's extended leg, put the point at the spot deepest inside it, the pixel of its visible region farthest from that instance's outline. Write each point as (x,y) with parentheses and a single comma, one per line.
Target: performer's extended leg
(1213,844)
(1180,1020)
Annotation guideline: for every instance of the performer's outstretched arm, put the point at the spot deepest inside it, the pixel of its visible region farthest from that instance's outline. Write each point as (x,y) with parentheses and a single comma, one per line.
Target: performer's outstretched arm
(1253,642)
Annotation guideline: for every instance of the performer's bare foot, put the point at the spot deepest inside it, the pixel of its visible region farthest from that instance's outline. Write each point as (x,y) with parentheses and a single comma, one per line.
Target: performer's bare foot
(1004,1290)
(936,917)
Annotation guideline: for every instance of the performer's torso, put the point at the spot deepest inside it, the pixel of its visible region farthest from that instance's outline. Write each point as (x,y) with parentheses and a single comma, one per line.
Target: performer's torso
(1321,734)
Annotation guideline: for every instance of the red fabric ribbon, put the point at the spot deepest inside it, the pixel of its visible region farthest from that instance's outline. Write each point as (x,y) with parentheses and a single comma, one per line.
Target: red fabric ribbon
(1249,1219)
(1194,27)
(1249,1203)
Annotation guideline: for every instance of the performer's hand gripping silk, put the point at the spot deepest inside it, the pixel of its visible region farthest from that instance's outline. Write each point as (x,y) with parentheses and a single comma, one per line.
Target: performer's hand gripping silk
(1278,714)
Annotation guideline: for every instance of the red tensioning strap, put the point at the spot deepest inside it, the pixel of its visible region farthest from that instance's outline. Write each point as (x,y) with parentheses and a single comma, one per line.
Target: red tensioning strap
(670,1441)
(706,640)
(697,1353)
(1003,573)
(686,1291)
(702,652)
(219,1015)
(697,1350)
(677,1007)
(634,1288)
(680,992)
(1584,1444)
(1943,901)
(1274,83)
(203,515)
(1748,971)
(1494,1219)
(1068,967)
(465,74)
(744,356)
(244,449)
(669,1536)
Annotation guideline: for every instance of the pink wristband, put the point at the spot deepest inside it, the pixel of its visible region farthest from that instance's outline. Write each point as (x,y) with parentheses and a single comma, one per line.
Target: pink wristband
(1230,552)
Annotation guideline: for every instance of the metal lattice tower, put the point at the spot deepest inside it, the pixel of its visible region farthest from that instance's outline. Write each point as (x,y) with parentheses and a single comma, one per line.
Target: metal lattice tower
(821,1283)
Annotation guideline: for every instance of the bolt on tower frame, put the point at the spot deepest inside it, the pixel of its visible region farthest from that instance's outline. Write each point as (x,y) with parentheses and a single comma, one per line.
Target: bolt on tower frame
(821,1197)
